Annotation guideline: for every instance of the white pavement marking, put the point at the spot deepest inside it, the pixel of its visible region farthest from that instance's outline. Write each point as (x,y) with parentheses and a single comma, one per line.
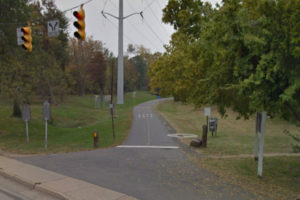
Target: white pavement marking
(148,147)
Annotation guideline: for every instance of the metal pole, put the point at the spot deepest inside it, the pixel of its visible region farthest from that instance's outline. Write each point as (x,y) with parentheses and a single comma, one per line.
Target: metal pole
(111,98)
(46,134)
(261,145)
(256,137)
(120,91)
(27,135)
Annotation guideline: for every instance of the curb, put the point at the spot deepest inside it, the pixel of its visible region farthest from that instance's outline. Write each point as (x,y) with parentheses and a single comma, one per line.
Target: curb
(34,186)
(15,196)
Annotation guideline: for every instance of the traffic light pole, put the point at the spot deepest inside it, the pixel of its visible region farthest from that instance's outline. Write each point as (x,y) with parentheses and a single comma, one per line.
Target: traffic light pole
(120,85)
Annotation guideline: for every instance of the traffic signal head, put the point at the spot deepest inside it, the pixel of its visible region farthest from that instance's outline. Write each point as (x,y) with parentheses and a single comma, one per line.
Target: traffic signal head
(79,24)
(27,38)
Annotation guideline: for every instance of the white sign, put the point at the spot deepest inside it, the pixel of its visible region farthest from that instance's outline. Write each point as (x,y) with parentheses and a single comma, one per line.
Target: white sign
(20,34)
(53,28)
(207,111)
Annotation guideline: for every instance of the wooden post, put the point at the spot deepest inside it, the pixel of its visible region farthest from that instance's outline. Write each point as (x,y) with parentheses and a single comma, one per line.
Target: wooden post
(27,134)
(204,135)
(96,138)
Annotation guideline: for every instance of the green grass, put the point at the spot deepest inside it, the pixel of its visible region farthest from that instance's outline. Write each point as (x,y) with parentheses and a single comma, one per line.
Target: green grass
(281,175)
(72,127)
(233,136)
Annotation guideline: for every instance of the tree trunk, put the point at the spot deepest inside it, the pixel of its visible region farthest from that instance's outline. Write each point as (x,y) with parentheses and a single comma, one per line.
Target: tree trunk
(52,97)
(16,108)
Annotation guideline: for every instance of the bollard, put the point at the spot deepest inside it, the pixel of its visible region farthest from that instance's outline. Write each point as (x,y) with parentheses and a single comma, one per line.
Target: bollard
(204,135)
(96,138)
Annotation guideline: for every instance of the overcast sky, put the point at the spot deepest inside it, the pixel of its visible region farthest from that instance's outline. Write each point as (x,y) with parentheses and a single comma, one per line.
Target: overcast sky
(150,32)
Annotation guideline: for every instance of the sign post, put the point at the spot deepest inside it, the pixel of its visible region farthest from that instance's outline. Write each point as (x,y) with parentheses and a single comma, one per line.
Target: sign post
(26,117)
(46,116)
(207,114)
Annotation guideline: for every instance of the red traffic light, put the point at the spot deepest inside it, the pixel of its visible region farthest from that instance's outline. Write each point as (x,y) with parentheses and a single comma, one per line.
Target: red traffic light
(77,15)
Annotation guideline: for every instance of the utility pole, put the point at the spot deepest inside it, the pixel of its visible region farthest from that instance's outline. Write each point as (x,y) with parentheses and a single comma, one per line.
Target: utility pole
(120,85)
(112,98)
(120,90)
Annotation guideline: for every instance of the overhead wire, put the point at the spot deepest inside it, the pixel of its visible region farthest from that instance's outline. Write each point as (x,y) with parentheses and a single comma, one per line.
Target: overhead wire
(150,42)
(39,20)
(160,22)
(154,32)
(148,5)
(105,4)
(127,37)
(141,33)
(77,6)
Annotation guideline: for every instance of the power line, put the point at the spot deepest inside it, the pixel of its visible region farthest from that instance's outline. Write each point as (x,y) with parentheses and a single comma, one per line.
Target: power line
(117,28)
(160,22)
(143,35)
(39,20)
(114,4)
(150,42)
(133,26)
(153,32)
(105,4)
(148,5)
(159,5)
(77,6)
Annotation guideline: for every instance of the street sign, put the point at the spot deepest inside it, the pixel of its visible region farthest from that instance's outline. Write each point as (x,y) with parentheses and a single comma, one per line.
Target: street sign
(207,111)
(111,105)
(26,112)
(20,34)
(53,28)
(46,110)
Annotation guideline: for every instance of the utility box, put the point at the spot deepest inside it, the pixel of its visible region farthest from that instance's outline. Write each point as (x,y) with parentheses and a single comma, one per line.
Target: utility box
(213,125)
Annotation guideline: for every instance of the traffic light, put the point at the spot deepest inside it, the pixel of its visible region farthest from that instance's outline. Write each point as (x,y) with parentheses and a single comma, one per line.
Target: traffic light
(79,24)
(27,38)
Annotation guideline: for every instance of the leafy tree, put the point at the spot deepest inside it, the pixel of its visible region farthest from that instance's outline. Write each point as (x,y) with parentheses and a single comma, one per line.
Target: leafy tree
(97,72)
(82,54)
(243,54)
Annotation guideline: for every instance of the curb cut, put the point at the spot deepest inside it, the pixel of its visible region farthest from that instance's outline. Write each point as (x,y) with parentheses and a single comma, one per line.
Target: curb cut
(186,148)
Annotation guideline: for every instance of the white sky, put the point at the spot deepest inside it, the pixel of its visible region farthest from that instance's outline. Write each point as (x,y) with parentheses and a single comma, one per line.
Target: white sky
(136,31)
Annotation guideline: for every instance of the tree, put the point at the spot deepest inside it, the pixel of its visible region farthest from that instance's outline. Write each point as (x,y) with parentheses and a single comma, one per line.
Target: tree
(97,72)
(82,54)
(243,55)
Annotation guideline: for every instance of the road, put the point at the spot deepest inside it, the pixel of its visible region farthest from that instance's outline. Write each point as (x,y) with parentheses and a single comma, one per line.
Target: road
(149,165)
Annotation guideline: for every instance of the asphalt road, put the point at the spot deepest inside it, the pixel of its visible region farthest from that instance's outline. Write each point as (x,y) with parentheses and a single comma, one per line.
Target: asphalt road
(149,165)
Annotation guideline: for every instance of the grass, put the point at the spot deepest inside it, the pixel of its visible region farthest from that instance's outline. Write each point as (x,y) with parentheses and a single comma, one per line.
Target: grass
(281,174)
(72,127)
(234,136)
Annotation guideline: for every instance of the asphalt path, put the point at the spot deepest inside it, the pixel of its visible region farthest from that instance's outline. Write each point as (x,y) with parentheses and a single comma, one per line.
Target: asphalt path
(149,165)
